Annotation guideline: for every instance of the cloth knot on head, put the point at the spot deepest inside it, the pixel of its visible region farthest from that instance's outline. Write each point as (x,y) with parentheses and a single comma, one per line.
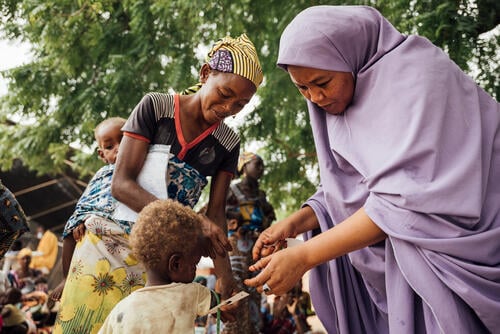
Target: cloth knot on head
(238,56)
(245,158)
(24,252)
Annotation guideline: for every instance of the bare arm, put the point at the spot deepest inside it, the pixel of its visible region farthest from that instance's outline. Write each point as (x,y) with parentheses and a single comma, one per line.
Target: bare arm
(216,213)
(302,220)
(124,186)
(354,233)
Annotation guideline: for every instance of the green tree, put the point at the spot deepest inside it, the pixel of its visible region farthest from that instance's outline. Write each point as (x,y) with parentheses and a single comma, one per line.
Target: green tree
(95,59)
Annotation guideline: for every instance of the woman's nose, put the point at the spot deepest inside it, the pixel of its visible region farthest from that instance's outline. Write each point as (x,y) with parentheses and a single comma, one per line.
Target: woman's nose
(316,95)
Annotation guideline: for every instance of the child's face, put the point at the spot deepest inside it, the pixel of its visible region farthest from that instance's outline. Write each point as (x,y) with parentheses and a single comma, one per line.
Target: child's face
(109,137)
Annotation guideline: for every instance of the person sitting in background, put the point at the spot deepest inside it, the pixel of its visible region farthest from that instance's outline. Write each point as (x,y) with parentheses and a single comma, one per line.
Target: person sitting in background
(23,277)
(170,301)
(299,306)
(281,321)
(15,320)
(47,248)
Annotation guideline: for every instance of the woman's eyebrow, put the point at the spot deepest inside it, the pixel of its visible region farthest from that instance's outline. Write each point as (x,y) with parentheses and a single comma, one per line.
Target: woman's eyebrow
(321,78)
(228,91)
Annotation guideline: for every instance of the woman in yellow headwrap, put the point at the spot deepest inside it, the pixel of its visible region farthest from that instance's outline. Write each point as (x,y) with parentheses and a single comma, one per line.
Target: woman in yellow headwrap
(248,202)
(201,146)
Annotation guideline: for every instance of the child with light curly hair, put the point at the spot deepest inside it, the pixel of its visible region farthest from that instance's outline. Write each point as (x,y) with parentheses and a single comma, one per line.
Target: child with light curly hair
(167,239)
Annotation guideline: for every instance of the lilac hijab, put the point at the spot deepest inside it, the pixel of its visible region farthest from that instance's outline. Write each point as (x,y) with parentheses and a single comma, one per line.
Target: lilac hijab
(419,149)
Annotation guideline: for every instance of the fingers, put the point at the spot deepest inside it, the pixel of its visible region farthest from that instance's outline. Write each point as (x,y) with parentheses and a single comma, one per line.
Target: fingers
(79,232)
(264,246)
(218,243)
(209,249)
(261,279)
(267,243)
(261,264)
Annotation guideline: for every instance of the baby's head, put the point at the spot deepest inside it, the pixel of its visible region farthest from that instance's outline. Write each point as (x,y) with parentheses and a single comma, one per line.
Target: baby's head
(108,135)
(167,240)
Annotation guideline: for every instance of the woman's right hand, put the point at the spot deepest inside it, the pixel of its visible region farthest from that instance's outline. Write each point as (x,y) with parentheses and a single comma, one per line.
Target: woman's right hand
(272,239)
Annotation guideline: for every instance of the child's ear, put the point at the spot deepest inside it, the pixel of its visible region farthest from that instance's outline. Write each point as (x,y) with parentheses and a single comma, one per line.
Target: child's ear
(232,224)
(100,153)
(174,262)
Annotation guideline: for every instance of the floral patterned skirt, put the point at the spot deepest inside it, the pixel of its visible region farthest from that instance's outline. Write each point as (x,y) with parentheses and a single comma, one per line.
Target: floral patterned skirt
(103,271)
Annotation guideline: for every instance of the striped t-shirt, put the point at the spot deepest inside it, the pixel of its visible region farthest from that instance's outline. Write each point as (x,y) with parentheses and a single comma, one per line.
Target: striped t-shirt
(156,120)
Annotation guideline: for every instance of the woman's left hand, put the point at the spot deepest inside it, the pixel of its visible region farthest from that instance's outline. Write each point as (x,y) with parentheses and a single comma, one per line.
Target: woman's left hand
(280,271)
(218,243)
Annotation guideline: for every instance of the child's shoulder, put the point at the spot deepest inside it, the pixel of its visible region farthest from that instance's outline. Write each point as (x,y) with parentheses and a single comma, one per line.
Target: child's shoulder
(103,172)
(106,169)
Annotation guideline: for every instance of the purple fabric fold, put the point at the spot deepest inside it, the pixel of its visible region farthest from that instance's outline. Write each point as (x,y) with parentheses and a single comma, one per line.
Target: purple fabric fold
(419,149)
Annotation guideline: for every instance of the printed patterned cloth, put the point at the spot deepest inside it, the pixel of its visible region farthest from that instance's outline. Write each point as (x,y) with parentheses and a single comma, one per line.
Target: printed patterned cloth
(12,219)
(97,200)
(185,183)
(103,271)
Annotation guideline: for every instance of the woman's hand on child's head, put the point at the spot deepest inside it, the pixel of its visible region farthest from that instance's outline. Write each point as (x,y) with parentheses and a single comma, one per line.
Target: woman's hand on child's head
(79,232)
(216,239)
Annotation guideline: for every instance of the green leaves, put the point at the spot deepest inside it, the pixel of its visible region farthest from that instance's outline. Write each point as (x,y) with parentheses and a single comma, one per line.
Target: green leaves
(96,59)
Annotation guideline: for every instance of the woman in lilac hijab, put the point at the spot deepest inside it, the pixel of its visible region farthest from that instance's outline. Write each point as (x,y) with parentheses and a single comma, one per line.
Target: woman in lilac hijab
(403,234)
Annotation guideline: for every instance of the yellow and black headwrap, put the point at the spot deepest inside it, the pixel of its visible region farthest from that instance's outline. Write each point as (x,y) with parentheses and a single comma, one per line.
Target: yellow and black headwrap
(245,158)
(238,56)
(234,55)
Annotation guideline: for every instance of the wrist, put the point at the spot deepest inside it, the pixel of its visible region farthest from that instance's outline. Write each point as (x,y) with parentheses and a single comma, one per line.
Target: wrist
(305,261)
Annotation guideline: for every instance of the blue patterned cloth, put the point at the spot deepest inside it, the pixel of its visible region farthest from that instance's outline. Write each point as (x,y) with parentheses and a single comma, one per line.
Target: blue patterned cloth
(185,183)
(97,200)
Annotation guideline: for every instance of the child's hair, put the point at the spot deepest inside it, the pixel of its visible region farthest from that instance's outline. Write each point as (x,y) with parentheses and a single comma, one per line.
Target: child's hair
(118,121)
(164,227)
